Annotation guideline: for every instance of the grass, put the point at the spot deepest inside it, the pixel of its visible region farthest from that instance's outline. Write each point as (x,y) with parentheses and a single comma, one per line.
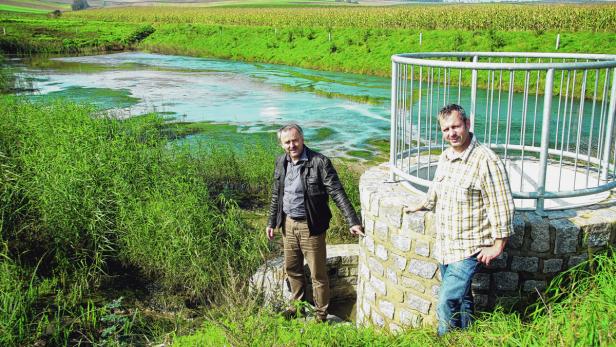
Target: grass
(9,8)
(579,310)
(31,33)
(94,207)
(88,198)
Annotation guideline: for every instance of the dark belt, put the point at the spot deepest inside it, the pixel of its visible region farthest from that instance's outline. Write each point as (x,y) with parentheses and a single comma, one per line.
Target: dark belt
(298,219)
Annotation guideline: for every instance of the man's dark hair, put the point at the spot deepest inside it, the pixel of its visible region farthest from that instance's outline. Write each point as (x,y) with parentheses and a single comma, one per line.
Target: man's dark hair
(446,111)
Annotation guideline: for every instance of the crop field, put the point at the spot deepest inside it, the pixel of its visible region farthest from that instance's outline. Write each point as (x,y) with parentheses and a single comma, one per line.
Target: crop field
(32,6)
(537,18)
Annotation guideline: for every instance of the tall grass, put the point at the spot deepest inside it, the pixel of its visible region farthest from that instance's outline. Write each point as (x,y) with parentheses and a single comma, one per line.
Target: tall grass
(84,198)
(579,309)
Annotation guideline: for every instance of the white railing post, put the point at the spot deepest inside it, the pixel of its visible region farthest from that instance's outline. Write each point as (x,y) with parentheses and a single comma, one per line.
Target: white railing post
(394,121)
(607,148)
(473,94)
(545,141)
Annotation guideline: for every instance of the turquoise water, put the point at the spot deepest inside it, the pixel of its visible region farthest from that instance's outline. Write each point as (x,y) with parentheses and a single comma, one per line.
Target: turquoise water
(352,109)
(341,113)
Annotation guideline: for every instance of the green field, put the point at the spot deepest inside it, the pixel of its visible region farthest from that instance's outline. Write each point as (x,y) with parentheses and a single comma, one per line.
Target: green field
(348,39)
(115,234)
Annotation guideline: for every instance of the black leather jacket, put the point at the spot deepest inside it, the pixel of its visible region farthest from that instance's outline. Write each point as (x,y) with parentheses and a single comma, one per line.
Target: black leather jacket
(320,181)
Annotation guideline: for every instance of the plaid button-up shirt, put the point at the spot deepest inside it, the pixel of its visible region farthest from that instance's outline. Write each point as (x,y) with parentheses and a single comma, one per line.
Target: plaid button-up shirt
(472,200)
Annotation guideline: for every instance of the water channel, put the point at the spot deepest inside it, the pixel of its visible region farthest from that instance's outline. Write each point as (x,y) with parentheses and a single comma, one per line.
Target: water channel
(341,113)
(344,115)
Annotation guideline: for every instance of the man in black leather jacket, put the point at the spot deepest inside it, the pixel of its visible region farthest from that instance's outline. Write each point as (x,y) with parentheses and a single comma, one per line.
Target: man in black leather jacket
(303,182)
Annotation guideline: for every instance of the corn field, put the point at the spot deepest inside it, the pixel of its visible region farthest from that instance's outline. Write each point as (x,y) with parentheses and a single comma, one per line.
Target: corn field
(533,17)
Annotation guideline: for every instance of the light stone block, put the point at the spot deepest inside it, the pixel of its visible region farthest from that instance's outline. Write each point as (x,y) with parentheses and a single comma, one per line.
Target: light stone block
(411,283)
(381,252)
(417,303)
(391,211)
(392,276)
(422,268)
(399,261)
(402,243)
(409,318)
(422,248)
(369,243)
(376,267)
(369,293)
(380,230)
(377,319)
(413,222)
(378,285)
(387,308)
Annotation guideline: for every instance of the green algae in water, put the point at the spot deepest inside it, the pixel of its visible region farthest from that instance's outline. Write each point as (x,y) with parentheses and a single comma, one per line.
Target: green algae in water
(219,134)
(102,98)
(361,154)
(320,134)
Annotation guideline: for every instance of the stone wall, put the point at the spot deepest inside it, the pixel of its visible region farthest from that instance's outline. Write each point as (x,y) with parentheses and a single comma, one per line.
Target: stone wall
(398,278)
(341,267)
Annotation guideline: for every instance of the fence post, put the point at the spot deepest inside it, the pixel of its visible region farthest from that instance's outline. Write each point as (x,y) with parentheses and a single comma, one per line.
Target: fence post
(420,38)
(473,93)
(545,141)
(394,120)
(557,41)
(607,148)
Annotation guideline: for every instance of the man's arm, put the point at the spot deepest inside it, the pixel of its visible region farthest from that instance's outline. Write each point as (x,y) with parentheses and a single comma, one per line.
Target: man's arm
(430,199)
(273,210)
(500,208)
(487,254)
(334,188)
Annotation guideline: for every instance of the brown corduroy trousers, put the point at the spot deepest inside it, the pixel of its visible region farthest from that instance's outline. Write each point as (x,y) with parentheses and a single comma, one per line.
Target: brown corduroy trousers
(300,245)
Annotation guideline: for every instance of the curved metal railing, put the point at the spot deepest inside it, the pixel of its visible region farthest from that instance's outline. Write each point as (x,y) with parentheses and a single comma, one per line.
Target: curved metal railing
(547,115)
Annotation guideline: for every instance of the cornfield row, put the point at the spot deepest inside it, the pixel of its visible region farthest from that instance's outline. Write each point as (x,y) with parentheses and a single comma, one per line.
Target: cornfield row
(538,18)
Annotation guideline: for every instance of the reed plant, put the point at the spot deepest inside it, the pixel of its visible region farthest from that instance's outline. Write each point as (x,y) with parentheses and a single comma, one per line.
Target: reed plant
(85,198)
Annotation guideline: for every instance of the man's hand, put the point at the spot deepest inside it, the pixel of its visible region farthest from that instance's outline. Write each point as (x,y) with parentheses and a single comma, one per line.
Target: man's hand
(270,233)
(487,254)
(413,208)
(357,230)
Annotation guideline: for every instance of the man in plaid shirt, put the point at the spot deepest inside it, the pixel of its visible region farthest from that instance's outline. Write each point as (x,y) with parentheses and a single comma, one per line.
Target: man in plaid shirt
(473,206)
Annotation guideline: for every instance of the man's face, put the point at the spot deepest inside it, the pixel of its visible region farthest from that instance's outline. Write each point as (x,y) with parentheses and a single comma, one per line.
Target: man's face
(293,143)
(456,131)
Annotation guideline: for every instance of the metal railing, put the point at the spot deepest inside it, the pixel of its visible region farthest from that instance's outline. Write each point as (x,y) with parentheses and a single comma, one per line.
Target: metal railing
(547,115)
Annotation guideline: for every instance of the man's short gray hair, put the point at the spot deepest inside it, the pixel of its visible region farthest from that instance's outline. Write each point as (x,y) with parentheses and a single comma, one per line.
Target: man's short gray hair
(446,111)
(289,127)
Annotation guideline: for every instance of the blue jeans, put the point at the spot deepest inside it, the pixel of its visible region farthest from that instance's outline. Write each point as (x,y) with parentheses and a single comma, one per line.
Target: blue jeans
(455,302)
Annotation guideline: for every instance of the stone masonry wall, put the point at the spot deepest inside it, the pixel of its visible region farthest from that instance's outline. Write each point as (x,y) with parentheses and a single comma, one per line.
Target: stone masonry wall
(398,278)
(341,267)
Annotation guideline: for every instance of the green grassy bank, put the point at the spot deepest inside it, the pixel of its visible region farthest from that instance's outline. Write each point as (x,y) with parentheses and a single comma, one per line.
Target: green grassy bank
(579,309)
(337,39)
